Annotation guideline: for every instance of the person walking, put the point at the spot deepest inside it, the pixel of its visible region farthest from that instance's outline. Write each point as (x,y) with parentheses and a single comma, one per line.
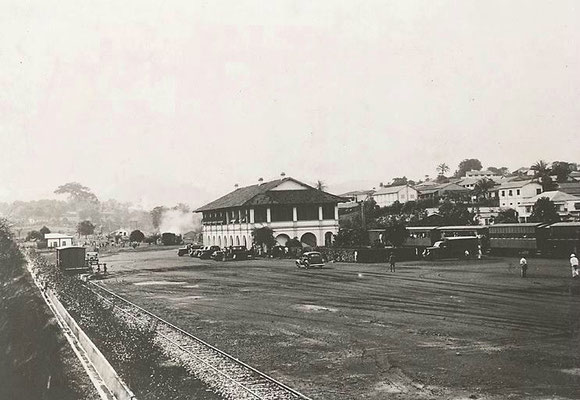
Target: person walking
(524,266)
(392,262)
(574,265)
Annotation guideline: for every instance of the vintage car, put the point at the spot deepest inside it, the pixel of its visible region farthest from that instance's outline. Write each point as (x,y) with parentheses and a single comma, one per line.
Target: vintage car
(310,259)
(207,252)
(233,253)
(184,250)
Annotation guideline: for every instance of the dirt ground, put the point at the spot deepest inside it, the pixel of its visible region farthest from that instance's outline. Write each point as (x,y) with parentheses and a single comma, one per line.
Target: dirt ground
(431,330)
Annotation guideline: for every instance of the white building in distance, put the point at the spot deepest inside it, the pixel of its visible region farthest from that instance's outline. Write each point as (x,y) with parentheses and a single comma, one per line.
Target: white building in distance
(567,205)
(512,194)
(289,207)
(387,195)
(58,240)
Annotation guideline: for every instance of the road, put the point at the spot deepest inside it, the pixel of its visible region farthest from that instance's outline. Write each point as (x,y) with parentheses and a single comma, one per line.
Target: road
(445,329)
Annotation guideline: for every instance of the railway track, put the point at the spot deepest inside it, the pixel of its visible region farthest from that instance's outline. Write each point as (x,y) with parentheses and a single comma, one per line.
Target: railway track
(227,375)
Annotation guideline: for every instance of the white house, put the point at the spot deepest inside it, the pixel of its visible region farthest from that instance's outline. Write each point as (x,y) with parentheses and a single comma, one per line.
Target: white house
(512,194)
(358,195)
(567,205)
(58,239)
(289,207)
(387,195)
(481,174)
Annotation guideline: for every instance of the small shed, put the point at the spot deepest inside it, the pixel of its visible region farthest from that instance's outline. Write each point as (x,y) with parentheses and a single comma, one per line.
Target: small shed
(58,240)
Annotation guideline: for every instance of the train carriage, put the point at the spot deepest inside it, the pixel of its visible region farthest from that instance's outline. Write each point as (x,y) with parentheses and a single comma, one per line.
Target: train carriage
(71,259)
(517,238)
(563,238)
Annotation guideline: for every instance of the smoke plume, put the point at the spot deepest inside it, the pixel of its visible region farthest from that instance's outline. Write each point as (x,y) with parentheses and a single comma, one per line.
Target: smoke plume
(179,222)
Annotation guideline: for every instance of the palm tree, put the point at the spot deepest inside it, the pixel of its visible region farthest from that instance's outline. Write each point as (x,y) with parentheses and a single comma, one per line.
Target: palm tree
(320,185)
(482,188)
(542,172)
(442,168)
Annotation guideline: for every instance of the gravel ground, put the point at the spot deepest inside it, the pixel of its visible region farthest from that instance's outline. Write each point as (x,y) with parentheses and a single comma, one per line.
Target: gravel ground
(445,329)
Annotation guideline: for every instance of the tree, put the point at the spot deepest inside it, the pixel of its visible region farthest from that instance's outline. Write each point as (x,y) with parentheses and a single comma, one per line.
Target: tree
(44,230)
(455,214)
(77,192)
(351,237)
(507,216)
(137,236)
(442,169)
(544,211)
(542,172)
(503,171)
(157,215)
(395,230)
(85,228)
(399,181)
(34,235)
(320,185)
(562,170)
(263,237)
(482,188)
(468,164)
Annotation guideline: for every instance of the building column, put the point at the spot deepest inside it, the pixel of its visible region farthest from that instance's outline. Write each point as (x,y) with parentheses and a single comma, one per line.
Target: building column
(268,215)
(320,214)
(336,213)
(251,215)
(294,214)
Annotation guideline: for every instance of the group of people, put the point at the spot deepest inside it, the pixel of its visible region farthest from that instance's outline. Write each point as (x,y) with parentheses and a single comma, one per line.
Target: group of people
(573,264)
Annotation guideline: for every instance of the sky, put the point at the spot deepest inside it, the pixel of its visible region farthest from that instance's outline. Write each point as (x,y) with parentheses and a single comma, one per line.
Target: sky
(176,101)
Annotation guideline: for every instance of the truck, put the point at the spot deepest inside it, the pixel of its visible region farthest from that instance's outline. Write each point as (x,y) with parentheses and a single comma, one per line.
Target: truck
(453,247)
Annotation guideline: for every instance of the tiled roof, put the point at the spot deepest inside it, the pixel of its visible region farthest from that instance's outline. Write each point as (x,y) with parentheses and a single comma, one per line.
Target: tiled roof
(515,184)
(555,196)
(263,194)
(443,187)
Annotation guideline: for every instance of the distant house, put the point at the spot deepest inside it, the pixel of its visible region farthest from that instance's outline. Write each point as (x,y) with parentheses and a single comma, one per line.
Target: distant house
(441,190)
(358,195)
(120,232)
(481,174)
(512,194)
(387,195)
(567,205)
(58,239)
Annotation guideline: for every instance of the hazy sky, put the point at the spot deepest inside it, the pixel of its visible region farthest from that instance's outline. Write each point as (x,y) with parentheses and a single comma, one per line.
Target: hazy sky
(161,101)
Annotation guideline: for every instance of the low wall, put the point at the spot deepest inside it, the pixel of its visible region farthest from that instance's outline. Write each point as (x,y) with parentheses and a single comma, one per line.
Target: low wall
(102,366)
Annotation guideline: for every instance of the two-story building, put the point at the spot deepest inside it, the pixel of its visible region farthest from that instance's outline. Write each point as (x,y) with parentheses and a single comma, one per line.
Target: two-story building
(512,194)
(387,195)
(292,209)
(567,205)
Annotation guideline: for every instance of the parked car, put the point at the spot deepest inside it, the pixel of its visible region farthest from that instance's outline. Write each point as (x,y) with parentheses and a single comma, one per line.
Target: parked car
(310,259)
(233,253)
(183,250)
(207,252)
(193,249)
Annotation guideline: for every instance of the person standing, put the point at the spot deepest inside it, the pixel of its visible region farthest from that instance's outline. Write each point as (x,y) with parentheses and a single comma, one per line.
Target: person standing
(574,265)
(524,266)
(392,262)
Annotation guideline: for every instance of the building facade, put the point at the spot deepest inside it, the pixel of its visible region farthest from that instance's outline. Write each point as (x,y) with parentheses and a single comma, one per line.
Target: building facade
(512,194)
(289,207)
(387,195)
(58,240)
(567,206)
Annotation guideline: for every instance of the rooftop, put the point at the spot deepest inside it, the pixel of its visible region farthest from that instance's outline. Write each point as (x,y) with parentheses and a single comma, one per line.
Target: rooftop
(390,189)
(56,236)
(270,193)
(554,195)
